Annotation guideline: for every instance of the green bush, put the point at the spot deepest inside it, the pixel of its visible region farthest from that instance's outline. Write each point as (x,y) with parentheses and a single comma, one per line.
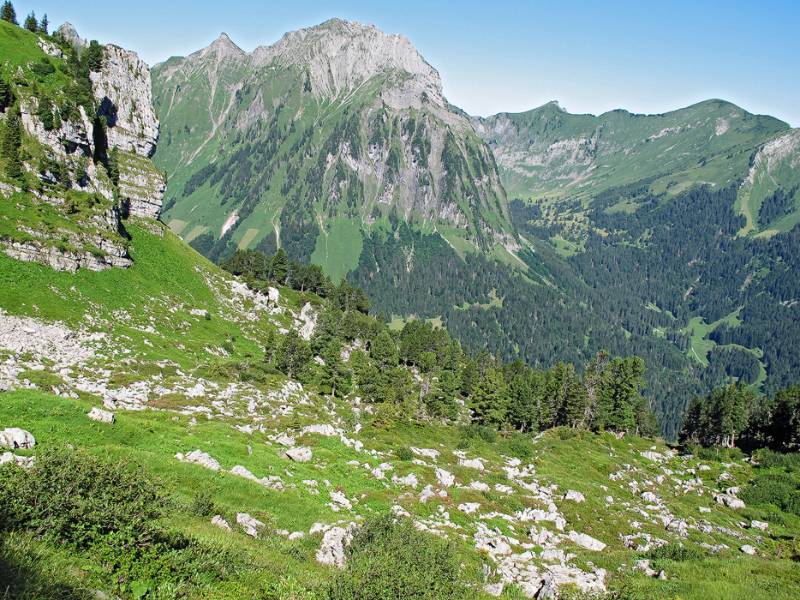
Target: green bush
(519,445)
(675,552)
(108,511)
(770,459)
(203,505)
(778,489)
(73,497)
(404,454)
(390,559)
(474,431)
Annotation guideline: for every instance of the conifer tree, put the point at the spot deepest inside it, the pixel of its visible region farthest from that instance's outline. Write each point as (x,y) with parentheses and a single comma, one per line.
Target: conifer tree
(30,22)
(293,354)
(335,374)
(7,13)
(43,25)
(10,144)
(489,401)
(279,266)
(384,350)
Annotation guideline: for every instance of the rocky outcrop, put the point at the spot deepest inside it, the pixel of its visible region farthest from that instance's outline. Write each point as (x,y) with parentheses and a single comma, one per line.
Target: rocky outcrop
(69,34)
(124,95)
(62,260)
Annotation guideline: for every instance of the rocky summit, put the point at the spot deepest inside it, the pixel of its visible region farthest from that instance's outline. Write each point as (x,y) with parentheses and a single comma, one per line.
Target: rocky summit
(270,328)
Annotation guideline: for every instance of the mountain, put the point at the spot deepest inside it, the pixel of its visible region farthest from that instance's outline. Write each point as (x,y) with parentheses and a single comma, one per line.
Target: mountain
(171,430)
(318,141)
(336,144)
(683,225)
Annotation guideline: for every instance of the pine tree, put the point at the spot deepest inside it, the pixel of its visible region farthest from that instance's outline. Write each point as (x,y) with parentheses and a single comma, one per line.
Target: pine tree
(30,22)
(43,25)
(279,266)
(6,95)
(489,401)
(7,13)
(270,346)
(335,375)
(293,354)
(785,427)
(383,350)
(10,144)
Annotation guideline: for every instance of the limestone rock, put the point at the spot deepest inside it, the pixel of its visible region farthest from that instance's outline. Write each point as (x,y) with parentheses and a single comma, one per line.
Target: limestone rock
(14,437)
(220,522)
(103,416)
(22,461)
(586,541)
(199,458)
(123,89)
(334,542)
(748,549)
(574,496)
(445,478)
(299,454)
(251,525)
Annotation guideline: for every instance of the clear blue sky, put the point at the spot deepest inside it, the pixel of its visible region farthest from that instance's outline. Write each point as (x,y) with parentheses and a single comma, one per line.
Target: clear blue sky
(503,55)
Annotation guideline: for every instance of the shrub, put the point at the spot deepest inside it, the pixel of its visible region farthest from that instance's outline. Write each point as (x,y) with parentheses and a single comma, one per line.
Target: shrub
(203,505)
(520,446)
(675,552)
(769,459)
(108,511)
(404,454)
(391,559)
(73,497)
(475,431)
(778,489)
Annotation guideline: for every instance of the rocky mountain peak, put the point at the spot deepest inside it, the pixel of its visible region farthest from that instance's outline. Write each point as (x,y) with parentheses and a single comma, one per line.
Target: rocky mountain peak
(340,55)
(220,49)
(70,34)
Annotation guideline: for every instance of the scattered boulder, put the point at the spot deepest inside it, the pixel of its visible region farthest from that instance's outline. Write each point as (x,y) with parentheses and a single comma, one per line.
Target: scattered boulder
(14,438)
(469,507)
(748,549)
(103,416)
(410,480)
(472,463)
(300,454)
(574,496)
(199,458)
(763,526)
(251,525)
(729,500)
(220,522)
(445,478)
(334,542)
(586,541)
(22,461)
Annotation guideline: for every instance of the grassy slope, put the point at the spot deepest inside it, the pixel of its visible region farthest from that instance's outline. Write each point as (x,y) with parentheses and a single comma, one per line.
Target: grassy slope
(169,274)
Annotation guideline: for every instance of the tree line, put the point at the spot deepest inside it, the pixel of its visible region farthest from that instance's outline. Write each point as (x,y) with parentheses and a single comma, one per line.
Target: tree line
(736,416)
(421,372)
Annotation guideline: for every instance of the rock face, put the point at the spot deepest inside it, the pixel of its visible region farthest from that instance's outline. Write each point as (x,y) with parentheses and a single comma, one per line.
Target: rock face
(123,91)
(74,149)
(124,95)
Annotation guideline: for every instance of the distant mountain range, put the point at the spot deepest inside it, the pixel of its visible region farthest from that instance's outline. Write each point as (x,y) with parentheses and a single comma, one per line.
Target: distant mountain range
(540,235)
